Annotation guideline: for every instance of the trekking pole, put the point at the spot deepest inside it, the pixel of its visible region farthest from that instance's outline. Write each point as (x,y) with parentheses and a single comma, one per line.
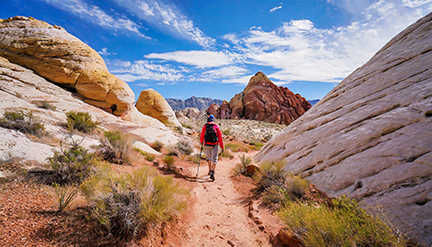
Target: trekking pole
(199,161)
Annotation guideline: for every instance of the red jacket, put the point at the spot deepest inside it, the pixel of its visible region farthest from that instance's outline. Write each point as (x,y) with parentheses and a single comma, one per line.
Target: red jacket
(218,134)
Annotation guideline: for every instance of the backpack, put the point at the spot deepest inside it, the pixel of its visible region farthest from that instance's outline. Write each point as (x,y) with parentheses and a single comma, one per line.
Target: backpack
(210,136)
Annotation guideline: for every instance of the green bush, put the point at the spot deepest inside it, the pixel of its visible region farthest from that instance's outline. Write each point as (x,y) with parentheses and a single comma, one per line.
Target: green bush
(23,122)
(80,121)
(47,105)
(233,147)
(257,145)
(272,174)
(184,147)
(187,126)
(157,145)
(127,204)
(227,154)
(71,166)
(241,168)
(178,129)
(64,195)
(116,147)
(226,132)
(346,224)
(150,157)
(169,160)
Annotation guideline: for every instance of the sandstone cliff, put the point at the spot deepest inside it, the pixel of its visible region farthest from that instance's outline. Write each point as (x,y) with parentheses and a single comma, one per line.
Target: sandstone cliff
(263,101)
(371,136)
(62,58)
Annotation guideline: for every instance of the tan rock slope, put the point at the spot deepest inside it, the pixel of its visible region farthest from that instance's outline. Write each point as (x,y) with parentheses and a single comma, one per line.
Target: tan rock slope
(371,136)
(62,58)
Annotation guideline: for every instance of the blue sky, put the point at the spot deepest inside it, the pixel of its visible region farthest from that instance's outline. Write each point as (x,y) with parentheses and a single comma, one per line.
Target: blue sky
(210,48)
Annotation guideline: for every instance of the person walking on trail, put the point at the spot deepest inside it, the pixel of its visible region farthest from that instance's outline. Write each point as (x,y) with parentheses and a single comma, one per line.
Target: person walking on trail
(211,138)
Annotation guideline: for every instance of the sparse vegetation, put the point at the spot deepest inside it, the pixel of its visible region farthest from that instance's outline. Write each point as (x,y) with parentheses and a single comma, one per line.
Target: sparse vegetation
(184,147)
(157,145)
(23,122)
(116,147)
(80,121)
(257,145)
(127,204)
(47,105)
(169,161)
(178,129)
(187,126)
(71,166)
(63,195)
(241,168)
(346,224)
(227,154)
(150,157)
(233,147)
(226,132)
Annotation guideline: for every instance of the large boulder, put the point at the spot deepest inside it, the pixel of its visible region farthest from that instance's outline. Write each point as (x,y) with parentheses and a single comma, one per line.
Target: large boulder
(264,101)
(151,103)
(62,58)
(371,136)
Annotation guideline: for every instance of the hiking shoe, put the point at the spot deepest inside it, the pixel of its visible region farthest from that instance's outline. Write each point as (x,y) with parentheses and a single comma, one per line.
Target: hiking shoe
(209,173)
(212,175)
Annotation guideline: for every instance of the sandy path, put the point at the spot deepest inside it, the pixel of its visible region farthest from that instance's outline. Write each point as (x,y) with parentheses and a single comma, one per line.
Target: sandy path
(220,215)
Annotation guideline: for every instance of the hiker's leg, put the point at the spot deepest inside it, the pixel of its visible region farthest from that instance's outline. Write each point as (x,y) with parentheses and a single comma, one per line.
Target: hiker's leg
(208,150)
(214,156)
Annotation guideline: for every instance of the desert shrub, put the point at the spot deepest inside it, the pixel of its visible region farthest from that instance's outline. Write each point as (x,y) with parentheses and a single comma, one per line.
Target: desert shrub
(184,147)
(226,132)
(295,186)
(187,126)
(157,145)
(64,195)
(116,147)
(23,122)
(72,165)
(241,168)
(80,121)
(346,224)
(128,204)
(178,129)
(195,158)
(233,147)
(257,145)
(140,151)
(272,174)
(47,105)
(150,157)
(227,154)
(169,161)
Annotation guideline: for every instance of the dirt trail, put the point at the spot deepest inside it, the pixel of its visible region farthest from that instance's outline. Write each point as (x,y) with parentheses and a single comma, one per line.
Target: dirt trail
(220,214)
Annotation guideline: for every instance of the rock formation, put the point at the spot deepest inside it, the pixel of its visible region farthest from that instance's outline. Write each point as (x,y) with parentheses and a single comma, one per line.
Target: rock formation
(264,101)
(371,136)
(22,89)
(192,102)
(152,104)
(62,58)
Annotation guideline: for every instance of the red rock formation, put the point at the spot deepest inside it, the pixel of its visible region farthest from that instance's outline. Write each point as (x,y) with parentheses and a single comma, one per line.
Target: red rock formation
(214,110)
(264,101)
(225,111)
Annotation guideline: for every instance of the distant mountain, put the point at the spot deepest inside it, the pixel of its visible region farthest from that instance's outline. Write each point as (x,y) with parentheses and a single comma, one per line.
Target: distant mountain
(314,101)
(198,102)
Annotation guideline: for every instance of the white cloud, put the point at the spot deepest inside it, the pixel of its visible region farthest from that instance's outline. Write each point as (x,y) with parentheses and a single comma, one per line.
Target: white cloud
(105,52)
(200,59)
(275,8)
(167,17)
(96,15)
(143,70)
(301,52)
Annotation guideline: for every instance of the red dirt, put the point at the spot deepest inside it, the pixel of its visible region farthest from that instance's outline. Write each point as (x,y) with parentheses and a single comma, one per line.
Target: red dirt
(218,213)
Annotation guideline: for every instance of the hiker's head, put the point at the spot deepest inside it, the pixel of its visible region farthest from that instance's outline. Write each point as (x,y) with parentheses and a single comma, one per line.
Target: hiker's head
(210,118)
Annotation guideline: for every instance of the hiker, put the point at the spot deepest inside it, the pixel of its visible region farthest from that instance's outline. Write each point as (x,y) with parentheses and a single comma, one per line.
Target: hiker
(211,138)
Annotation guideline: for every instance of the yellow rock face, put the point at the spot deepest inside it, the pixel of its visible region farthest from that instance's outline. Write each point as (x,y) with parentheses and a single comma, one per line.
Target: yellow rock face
(151,103)
(62,58)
